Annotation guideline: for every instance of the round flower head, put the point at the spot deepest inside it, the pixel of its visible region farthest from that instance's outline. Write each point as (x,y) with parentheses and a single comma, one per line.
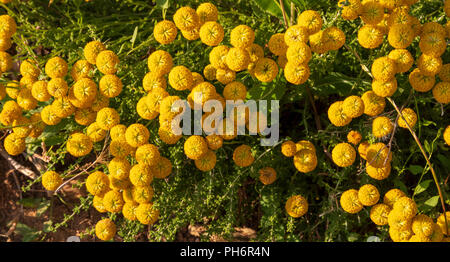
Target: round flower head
(298,53)
(40,91)
(51,180)
(242,36)
(384,89)
(444,74)
(406,207)
(277,45)
(207,162)
(97,183)
(195,147)
(400,16)
(441,92)
(410,116)
(147,154)
(210,72)
(8,26)
(400,36)
(225,76)
(353,106)
(242,156)
(117,133)
(79,145)
(305,160)
(334,37)
(29,68)
(447,135)
(237,59)
(372,12)
(155,97)
(432,44)
(110,86)
(218,55)
(296,74)
(63,108)
(85,90)
(266,70)
(420,82)
(437,235)
(350,202)
(129,210)
(207,12)
(311,20)
(137,135)
(403,59)
(113,201)
(119,149)
(296,206)
(91,50)
(5,61)
(304,144)
(288,148)
(441,223)
(383,69)
(163,168)
(368,195)
(27,82)
(105,229)
(235,91)
(14,144)
(343,155)
(141,175)
(180,78)
(211,33)
(186,18)
(152,80)
(107,118)
(379,214)
(165,32)
(57,87)
(99,103)
(370,36)
(26,100)
(373,104)
(97,202)
(5,43)
(362,149)
(160,62)
(378,173)
(85,117)
(267,175)
(354,137)
(21,126)
(318,42)
(147,214)
(95,132)
(169,108)
(119,168)
(81,68)
(336,114)
(198,78)
(13,88)
(351,9)
(56,67)
(392,196)
(429,65)
(49,116)
(377,155)
(296,34)
(191,35)
(433,27)
(107,62)
(142,194)
(403,235)
(382,126)
(422,225)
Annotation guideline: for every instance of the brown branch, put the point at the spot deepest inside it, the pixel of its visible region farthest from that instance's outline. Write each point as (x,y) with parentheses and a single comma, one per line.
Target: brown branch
(16,165)
(286,25)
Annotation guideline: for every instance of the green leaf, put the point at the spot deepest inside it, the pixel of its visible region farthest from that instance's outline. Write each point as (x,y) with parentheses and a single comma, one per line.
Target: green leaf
(30,202)
(428,147)
(422,186)
(352,237)
(28,234)
(47,226)
(428,123)
(432,201)
(271,7)
(133,38)
(43,206)
(415,169)
(163,4)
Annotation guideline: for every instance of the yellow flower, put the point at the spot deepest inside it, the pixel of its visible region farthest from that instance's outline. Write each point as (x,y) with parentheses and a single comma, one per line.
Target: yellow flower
(298,53)
(429,65)
(384,89)
(368,195)
(379,214)
(383,69)
(211,33)
(218,55)
(8,26)
(353,106)
(113,201)
(107,118)
(5,43)
(119,184)
(296,206)
(422,225)
(129,210)
(152,80)
(432,44)
(402,58)
(117,133)
(147,214)
(162,168)
(267,175)
(81,68)
(191,35)
(97,183)
(399,222)
(235,91)
(266,70)
(305,160)
(282,61)
(207,12)
(447,135)
(354,137)
(180,78)
(40,92)
(49,116)
(141,175)
(85,117)
(336,114)
(110,86)
(419,238)
(372,12)
(210,72)
(311,20)
(14,144)
(107,62)
(147,154)
(304,144)
(373,104)
(51,180)
(85,90)
(160,62)
(165,32)
(296,34)
(444,74)
(350,202)
(334,38)
(5,61)
(197,79)
(441,223)
(351,9)
(400,36)
(207,162)
(225,76)
(382,126)
(392,196)
(37,126)
(29,68)
(296,74)
(57,87)
(186,18)
(420,82)
(362,149)
(242,156)
(400,235)
(95,132)
(410,116)
(277,45)
(377,155)
(433,27)
(195,147)
(99,103)
(26,100)
(441,92)
(105,229)
(137,135)
(119,149)
(370,36)
(378,173)
(97,202)
(56,67)
(343,155)
(119,168)
(91,51)
(406,207)
(79,144)
(242,36)
(391,4)
(237,59)
(288,148)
